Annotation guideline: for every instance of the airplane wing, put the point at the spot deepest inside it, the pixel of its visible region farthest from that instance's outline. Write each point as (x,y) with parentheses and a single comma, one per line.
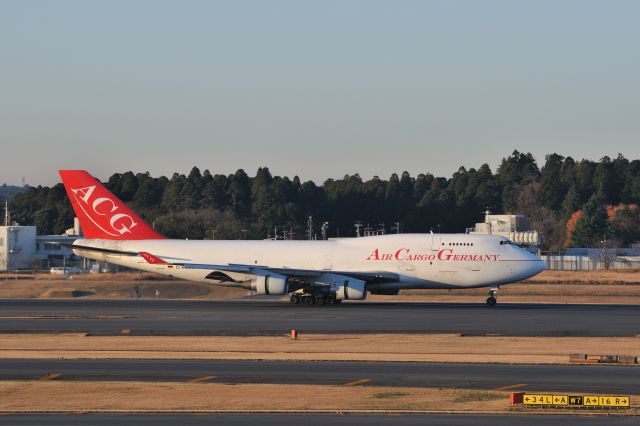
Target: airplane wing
(309,276)
(329,284)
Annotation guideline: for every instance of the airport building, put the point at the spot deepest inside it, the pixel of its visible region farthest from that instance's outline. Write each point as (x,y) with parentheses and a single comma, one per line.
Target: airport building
(515,227)
(22,249)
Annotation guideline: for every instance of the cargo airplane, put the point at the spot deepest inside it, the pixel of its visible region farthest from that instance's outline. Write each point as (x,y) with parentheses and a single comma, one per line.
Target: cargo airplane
(312,272)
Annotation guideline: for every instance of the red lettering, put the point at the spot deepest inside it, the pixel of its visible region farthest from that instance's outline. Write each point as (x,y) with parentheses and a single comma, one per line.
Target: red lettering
(400,251)
(443,256)
(374,256)
(123,228)
(85,193)
(101,200)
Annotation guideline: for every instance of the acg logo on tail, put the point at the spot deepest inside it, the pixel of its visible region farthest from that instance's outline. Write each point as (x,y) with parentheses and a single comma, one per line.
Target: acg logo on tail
(120,223)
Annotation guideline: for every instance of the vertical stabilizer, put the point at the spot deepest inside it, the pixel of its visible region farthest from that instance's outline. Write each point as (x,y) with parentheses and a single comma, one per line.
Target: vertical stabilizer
(102,214)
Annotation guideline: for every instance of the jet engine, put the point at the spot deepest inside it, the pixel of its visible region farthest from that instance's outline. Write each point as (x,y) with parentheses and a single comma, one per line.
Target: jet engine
(268,283)
(350,288)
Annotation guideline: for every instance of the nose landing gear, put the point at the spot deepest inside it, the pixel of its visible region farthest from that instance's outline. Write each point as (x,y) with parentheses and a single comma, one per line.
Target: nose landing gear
(491,300)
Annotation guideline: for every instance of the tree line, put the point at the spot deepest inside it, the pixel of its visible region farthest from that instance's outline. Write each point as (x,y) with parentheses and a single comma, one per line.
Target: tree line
(572,203)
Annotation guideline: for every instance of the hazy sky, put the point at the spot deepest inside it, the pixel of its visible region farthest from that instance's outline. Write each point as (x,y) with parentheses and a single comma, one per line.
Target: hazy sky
(318,89)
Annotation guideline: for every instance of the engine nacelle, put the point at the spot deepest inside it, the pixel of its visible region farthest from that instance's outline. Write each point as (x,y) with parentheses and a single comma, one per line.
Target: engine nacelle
(350,288)
(274,284)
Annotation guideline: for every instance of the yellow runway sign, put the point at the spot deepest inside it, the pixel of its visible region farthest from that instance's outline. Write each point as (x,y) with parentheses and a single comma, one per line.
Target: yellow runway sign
(538,399)
(607,401)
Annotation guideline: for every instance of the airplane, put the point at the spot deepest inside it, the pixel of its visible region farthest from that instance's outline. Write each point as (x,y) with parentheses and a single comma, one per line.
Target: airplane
(311,272)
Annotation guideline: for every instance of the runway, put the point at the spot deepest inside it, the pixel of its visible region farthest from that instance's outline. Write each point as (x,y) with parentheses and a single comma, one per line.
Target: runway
(107,419)
(561,378)
(181,317)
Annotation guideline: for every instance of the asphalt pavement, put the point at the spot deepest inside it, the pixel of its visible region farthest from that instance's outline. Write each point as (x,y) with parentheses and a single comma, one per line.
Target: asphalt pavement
(182,317)
(109,419)
(609,379)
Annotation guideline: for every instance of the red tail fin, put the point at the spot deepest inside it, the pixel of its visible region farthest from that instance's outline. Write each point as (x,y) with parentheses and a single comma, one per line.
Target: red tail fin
(100,213)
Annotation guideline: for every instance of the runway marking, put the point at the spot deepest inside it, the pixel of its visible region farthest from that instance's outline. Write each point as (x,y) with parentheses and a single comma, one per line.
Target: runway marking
(357,382)
(501,388)
(202,379)
(49,377)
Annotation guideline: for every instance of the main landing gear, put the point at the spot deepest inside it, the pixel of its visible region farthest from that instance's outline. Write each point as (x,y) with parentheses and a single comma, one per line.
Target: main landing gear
(491,300)
(310,299)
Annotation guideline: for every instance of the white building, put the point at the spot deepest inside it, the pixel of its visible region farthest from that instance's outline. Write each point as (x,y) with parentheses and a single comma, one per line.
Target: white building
(17,247)
(22,248)
(512,226)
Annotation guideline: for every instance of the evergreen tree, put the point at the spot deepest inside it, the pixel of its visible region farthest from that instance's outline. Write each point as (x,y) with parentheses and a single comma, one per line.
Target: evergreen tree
(515,172)
(592,226)
(215,194)
(202,205)
(605,180)
(240,194)
(552,189)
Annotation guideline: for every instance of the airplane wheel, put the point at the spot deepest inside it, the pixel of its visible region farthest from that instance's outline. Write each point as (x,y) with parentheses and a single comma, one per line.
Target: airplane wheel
(309,301)
(320,301)
(491,301)
(294,299)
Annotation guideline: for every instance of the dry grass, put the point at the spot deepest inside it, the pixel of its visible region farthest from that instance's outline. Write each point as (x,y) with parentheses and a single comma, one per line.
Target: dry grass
(549,287)
(136,396)
(112,286)
(308,347)
(81,396)
(588,277)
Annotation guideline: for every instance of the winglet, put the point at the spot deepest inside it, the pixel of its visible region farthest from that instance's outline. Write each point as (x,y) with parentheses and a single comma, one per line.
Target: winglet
(154,260)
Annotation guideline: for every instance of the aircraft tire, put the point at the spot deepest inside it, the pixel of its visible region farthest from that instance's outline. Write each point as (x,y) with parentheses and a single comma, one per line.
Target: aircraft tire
(491,301)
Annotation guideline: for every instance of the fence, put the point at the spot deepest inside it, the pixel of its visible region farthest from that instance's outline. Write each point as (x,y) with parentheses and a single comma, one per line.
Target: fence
(590,263)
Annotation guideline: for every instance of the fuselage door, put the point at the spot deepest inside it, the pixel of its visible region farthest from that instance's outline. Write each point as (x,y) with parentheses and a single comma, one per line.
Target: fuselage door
(436,240)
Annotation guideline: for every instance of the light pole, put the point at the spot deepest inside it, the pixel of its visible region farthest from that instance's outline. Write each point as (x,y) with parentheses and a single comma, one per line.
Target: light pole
(605,252)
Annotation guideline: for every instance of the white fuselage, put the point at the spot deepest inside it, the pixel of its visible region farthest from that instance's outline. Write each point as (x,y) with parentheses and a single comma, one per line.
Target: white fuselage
(419,260)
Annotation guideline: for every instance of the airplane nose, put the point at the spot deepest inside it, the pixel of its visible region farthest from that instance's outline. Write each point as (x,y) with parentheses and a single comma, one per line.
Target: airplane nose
(537,265)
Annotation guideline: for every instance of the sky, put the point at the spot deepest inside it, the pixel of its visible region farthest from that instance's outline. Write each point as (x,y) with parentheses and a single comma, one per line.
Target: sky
(317,89)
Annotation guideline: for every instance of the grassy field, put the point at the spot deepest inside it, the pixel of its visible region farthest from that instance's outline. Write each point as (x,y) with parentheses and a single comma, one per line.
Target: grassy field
(79,396)
(318,347)
(548,287)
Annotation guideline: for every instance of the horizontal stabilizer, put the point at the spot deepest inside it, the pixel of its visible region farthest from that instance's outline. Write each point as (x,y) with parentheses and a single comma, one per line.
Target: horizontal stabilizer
(98,249)
(154,260)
